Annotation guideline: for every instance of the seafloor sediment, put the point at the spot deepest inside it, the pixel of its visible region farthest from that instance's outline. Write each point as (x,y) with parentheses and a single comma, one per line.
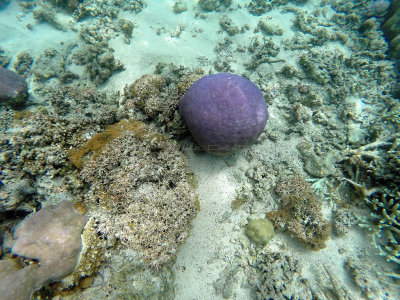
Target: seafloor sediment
(101,128)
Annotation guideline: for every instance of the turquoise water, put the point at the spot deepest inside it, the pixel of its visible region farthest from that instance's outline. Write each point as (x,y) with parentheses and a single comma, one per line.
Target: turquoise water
(105,193)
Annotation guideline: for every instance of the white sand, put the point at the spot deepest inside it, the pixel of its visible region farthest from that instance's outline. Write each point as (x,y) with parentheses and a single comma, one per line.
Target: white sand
(15,37)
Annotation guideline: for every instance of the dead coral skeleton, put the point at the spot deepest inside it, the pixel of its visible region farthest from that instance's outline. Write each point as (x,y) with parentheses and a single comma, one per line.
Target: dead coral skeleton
(379,162)
(367,157)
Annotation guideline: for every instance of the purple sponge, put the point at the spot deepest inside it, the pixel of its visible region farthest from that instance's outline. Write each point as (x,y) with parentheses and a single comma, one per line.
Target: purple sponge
(224,112)
(13,88)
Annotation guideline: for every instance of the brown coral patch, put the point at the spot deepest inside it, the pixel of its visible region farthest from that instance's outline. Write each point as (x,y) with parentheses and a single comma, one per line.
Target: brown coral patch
(98,141)
(148,85)
(300,213)
(142,190)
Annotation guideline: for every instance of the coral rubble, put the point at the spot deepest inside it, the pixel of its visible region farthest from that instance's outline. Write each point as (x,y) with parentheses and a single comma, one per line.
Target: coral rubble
(279,277)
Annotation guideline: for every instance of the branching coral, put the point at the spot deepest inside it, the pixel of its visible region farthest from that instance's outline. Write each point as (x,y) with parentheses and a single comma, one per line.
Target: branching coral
(157,96)
(377,161)
(386,229)
(374,170)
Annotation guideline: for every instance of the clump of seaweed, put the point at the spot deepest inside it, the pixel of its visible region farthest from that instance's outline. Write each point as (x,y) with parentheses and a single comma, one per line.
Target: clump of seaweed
(300,213)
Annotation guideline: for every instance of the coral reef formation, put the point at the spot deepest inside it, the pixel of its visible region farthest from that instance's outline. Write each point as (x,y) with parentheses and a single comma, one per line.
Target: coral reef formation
(210,5)
(258,7)
(300,213)
(160,199)
(279,277)
(260,231)
(146,196)
(34,145)
(224,112)
(228,25)
(50,239)
(53,63)
(13,88)
(179,6)
(325,74)
(96,55)
(155,97)
(23,64)
(391,28)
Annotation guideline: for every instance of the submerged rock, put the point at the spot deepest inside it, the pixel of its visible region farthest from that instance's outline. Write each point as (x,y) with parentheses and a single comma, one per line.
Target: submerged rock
(50,239)
(13,88)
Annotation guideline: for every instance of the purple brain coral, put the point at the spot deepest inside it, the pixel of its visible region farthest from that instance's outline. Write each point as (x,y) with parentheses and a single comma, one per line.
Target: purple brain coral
(224,112)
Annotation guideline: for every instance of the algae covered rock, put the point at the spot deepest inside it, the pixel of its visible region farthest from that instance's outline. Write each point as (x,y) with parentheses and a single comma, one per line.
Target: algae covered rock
(260,231)
(13,88)
(141,188)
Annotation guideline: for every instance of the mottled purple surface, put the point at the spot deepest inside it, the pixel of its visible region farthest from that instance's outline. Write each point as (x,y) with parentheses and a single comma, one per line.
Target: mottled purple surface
(224,112)
(13,88)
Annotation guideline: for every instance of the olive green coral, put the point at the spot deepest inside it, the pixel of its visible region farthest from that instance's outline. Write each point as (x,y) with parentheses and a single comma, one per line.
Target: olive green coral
(300,213)
(260,231)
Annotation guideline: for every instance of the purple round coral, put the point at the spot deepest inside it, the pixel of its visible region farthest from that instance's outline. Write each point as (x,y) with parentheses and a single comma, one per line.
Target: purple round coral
(224,112)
